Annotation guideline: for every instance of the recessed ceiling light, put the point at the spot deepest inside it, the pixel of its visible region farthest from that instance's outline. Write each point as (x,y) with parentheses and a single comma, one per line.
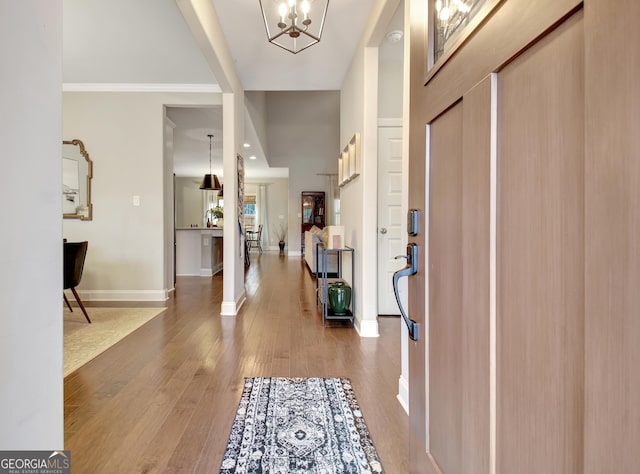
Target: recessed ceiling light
(252,157)
(247,145)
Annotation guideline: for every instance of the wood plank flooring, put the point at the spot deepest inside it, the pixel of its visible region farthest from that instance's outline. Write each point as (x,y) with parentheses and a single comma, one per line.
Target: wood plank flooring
(163,399)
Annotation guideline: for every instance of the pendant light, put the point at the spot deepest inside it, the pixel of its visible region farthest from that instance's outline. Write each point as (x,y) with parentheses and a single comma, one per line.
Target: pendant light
(291,26)
(210,181)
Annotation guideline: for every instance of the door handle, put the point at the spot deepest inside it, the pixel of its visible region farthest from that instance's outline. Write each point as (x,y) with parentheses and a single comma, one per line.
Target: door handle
(383,230)
(410,269)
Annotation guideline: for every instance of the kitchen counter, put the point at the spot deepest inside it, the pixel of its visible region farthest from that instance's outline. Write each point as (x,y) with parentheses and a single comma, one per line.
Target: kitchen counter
(199,253)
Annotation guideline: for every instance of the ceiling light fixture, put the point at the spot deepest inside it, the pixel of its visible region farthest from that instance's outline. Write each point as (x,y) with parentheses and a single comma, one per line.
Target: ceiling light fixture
(394,36)
(210,181)
(247,145)
(252,157)
(290,26)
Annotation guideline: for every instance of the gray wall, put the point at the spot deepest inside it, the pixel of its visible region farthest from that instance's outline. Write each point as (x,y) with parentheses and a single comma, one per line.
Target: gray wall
(124,134)
(303,131)
(189,202)
(31,397)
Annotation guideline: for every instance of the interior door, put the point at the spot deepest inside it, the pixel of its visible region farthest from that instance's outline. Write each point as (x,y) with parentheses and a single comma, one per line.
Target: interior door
(389,215)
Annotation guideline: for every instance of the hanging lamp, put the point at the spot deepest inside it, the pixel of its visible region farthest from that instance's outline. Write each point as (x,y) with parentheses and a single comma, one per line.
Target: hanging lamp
(210,181)
(290,26)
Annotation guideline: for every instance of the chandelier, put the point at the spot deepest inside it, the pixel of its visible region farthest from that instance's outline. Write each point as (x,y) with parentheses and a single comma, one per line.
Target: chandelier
(291,24)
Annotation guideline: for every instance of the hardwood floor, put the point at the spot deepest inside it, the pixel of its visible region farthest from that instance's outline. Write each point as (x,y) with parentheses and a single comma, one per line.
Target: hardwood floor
(163,399)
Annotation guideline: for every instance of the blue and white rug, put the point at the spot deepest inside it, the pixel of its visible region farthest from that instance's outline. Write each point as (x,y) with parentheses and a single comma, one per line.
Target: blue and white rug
(301,425)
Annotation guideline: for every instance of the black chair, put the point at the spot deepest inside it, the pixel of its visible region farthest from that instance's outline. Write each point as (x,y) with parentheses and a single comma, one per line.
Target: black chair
(74,254)
(254,237)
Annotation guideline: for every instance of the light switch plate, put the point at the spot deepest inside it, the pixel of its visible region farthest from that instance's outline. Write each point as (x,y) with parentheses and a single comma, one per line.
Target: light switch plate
(136,200)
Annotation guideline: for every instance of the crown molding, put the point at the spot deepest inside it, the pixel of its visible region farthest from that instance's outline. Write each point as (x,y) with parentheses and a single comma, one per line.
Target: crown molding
(135,87)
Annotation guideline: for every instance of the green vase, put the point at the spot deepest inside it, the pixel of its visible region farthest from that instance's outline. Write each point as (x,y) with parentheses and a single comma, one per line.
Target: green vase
(339,297)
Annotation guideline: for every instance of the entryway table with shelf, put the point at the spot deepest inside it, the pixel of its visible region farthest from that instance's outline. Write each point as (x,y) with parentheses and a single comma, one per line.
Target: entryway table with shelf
(323,281)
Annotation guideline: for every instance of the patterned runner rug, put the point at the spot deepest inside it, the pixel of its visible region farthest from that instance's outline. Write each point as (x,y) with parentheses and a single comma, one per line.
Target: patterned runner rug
(302,425)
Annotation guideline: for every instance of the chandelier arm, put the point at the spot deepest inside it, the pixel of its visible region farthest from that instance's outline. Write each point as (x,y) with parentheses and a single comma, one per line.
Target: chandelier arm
(302,49)
(311,36)
(282,32)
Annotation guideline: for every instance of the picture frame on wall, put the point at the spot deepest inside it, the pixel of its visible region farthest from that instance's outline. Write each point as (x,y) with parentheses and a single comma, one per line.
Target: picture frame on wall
(349,161)
(353,158)
(240,203)
(447,32)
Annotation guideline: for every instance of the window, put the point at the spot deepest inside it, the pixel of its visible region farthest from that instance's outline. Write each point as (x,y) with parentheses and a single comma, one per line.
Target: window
(250,210)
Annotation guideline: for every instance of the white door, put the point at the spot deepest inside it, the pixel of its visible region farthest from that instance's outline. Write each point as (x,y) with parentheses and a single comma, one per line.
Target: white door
(389,215)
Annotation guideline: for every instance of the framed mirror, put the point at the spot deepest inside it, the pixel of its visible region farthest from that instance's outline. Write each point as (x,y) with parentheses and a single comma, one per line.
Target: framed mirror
(77,173)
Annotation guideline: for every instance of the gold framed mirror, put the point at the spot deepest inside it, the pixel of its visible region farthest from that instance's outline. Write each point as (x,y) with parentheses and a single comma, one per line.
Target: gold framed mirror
(77,173)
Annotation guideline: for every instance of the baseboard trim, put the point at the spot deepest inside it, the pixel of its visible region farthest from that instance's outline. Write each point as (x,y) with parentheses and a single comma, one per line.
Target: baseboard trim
(104,296)
(228,308)
(367,328)
(231,308)
(403,393)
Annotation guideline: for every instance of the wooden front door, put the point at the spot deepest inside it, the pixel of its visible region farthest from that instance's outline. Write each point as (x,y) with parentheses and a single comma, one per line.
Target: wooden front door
(497,170)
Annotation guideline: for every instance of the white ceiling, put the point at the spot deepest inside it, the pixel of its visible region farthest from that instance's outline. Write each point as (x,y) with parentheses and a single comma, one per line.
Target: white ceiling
(130,42)
(190,139)
(147,42)
(264,66)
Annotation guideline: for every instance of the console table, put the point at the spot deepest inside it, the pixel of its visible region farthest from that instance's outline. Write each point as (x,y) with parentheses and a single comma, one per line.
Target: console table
(323,281)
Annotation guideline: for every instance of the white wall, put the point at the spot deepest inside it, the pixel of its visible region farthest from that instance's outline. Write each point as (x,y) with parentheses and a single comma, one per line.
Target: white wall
(304,135)
(31,397)
(390,91)
(391,70)
(359,113)
(124,135)
(358,199)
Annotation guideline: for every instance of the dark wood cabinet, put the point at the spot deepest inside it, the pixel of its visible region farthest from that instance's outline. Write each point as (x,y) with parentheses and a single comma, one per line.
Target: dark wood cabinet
(313,212)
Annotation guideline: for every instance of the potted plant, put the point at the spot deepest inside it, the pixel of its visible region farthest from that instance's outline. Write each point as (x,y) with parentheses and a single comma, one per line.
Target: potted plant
(281,234)
(217,214)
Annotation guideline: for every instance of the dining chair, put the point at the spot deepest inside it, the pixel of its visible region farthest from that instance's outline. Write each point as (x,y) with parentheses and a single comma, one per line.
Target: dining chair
(254,237)
(74,254)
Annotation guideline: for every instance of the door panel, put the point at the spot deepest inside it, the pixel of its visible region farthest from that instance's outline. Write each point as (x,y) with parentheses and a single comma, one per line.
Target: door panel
(541,259)
(445,290)
(389,215)
(612,245)
(475,344)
